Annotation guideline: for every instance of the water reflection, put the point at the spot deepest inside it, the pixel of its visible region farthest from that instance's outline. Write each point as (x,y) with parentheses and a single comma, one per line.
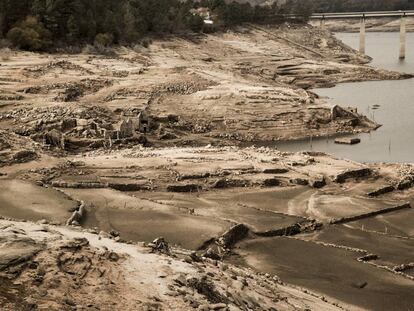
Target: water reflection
(390,103)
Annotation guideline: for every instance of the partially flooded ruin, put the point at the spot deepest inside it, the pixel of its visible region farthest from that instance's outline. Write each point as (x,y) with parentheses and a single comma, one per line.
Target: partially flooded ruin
(151,179)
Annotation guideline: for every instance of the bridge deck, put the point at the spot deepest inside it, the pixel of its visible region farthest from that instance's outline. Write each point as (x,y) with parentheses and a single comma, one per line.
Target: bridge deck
(361,14)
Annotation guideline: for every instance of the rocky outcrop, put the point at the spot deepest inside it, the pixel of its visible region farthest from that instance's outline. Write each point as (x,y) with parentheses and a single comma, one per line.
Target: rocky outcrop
(233,235)
(352,173)
(79,270)
(15,252)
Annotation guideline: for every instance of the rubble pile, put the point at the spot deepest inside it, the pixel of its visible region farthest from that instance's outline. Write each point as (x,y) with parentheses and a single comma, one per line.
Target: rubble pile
(74,90)
(58,126)
(10,97)
(185,87)
(128,92)
(406,173)
(41,70)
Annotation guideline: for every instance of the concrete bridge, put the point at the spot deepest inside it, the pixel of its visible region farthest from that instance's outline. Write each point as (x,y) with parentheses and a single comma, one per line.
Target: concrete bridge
(363,16)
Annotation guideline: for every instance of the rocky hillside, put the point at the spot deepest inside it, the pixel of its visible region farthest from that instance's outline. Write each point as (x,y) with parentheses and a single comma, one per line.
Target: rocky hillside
(44,267)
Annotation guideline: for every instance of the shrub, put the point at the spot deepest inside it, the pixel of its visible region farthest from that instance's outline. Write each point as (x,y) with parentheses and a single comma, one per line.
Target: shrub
(88,49)
(4,43)
(30,35)
(103,40)
(5,54)
(194,22)
(146,43)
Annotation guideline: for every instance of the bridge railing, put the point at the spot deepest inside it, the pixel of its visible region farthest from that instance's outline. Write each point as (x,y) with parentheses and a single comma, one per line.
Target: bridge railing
(362,14)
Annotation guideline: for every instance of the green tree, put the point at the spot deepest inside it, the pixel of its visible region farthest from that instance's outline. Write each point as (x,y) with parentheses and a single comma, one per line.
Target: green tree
(30,34)
(194,22)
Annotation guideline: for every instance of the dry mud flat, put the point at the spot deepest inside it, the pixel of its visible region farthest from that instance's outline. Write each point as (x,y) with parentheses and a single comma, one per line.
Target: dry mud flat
(294,215)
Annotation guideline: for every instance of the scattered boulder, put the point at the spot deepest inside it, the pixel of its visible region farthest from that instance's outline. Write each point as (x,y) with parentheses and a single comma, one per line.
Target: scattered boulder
(160,245)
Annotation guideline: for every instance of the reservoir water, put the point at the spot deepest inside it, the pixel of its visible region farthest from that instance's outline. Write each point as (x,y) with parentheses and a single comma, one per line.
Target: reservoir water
(390,103)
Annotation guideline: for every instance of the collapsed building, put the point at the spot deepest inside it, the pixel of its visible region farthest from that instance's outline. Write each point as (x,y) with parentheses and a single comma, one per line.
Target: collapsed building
(78,131)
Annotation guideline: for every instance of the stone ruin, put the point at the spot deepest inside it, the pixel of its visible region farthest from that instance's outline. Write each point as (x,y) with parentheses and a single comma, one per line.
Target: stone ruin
(68,128)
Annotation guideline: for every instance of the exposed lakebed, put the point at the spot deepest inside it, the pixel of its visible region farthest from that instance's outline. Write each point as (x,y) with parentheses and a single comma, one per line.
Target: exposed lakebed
(390,103)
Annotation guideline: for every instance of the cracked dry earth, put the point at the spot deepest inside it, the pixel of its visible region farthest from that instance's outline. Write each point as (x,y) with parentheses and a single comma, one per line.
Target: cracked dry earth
(127,148)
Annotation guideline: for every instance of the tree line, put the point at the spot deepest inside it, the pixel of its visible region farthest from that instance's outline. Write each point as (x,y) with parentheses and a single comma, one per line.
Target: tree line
(45,24)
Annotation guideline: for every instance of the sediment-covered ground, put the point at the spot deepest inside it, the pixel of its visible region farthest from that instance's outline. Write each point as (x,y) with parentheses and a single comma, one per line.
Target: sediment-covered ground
(246,85)
(340,229)
(99,153)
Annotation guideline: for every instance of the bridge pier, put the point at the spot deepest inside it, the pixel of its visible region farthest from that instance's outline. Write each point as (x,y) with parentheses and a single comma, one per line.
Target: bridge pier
(402,37)
(362,36)
(322,22)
